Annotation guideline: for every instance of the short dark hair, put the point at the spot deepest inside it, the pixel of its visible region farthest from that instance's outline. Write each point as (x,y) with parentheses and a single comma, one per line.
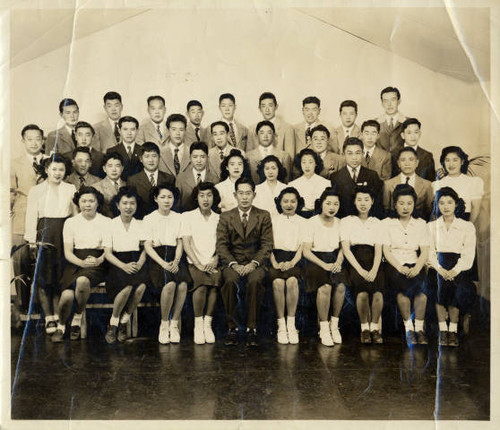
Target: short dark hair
(227,96)
(204,186)
(390,90)
(311,99)
(83,124)
(192,103)
(89,190)
(152,98)
(328,191)
(149,147)
(243,180)
(455,150)
(271,159)
(407,149)
(222,123)
(83,149)
(410,121)
(31,127)
(348,103)
(200,146)
(112,95)
(352,141)
(127,118)
(56,158)
(125,191)
(363,189)
(404,190)
(175,117)
(67,102)
(112,156)
(224,173)
(267,95)
(371,123)
(289,190)
(322,128)
(317,160)
(264,123)
(155,192)
(448,192)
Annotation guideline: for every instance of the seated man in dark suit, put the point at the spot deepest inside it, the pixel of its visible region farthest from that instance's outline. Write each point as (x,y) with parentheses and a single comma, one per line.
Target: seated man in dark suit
(407,164)
(81,176)
(107,133)
(391,121)
(244,242)
(112,165)
(63,139)
(148,177)
(411,134)
(374,157)
(354,174)
(195,174)
(128,148)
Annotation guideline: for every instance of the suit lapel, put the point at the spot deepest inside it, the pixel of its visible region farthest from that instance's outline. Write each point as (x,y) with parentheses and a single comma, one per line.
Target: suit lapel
(166,157)
(252,222)
(236,222)
(185,158)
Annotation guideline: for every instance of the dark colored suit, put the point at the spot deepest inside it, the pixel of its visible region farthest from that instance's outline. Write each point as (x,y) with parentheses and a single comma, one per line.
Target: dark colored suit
(426,168)
(387,139)
(255,157)
(186,183)
(381,162)
(97,157)
(233,244)
(142,183)
(345,185)
(131,165)
(59,141)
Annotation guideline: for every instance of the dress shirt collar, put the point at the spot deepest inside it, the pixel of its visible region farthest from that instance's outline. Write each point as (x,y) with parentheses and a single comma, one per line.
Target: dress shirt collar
(394,117)
(70,130)
(265,150)
(311,126)
(247,212)
(410,182)
(409,146)
(203,174)
(112,123)
(369,151)
(173,147)
(155,174)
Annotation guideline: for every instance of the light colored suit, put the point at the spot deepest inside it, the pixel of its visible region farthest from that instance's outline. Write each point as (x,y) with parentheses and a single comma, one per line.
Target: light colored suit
(214,159)
(107,187)
(241,136)
(255,157)
(186,183)
(148,133)
(331,163)
(190,135)
(299,139)
(381,162)
(283,133)
(74,178)
(59,141)
(167,159)
(387,139)
(104,137)
(339,137)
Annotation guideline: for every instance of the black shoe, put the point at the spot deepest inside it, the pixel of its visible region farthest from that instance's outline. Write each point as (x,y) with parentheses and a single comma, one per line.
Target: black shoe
(111,334)
(75,332)
(452,339)
(57,337)
(421,338)
(231,337)
(252,339)
(443,338)
(122,333)
(376,337)
(411,338)
(365,336)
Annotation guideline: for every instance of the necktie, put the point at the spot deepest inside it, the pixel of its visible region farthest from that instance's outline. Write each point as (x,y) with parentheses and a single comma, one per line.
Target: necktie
(73,136)
(152,179)
(391,125)
(37,167)
(244,221)
(354,176)
(117,186)
(221,154)
(367,157)
(129,151)
(159,131)
(198,178)
(232,135)
(117,133)
(308,135)
(346,135)
(407,180)
(197,132)
(177,164)
(82,181)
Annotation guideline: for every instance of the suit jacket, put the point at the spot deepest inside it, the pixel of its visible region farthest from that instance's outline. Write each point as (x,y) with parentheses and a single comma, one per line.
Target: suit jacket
(283,133)
(241,137)
(59,141)
(299,139)
(345,185)
(143,185)
(186,182)
(104,137)
(214,160)
(97,157)
(425,196)
(331,163)
(381,162)
(131,165)
(167,159)
(338,136)
(190,135)
(107,187)
(388,140)
(74,179)
(148,133)
(255,157)
(425,169)
(233,244)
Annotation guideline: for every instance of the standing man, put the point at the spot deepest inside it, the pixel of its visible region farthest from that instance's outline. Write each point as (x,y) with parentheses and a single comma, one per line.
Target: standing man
(153,129)
(374,157)
(107,132)
(63,139)
(238,133)
(81,162)
(194,130)
(348,112)
(391,121)
(174,155)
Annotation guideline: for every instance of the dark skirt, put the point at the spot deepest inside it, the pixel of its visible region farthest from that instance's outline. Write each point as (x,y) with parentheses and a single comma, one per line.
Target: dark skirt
(117,279)
(317,276)
(95,275)
(161,277)
(203,278)
(410,287)
(364,255)
(281,256)
(461,292)
(50,262)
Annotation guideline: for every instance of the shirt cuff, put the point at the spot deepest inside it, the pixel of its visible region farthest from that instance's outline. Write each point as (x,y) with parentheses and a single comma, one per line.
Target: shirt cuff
(256,262)
(232,263)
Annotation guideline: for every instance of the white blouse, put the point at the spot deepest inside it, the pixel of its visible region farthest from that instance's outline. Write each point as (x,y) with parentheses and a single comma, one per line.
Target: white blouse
(226,191)
(288,231)
(121,239)
(45,201)
(264,197)
(467,187)
(361,233)
(323,238)
(310,189)
(460,238)
(163,230)
(405,241)
(203,233)
(86,234)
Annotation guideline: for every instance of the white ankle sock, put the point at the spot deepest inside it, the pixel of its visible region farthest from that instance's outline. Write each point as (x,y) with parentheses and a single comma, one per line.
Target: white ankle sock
(443,326)
(198,321)
(409,325)
(334,323)
(114,321)
(61,327)
(207,319)
(419,325)
(77,320)
(323,325)
(281,324)
(374,326)
(174,323)
(365,326)
(49,318)
(125,318)
(290,321)
(453,327)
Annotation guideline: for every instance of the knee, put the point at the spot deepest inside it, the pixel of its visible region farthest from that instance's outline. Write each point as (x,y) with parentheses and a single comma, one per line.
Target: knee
(140,289)
(279,286)
(67,296)
(82,285)
(325,291)
(340,289)
(363,296)
(292,283)
(200,291)
(169,288)
(377,298)
(182,288)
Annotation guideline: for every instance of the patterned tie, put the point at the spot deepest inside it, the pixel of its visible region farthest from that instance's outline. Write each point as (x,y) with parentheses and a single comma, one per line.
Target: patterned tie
(308,135)
(177,164)
(407,180)
(346,135)
(117,186)
(244,222)
(354,176)
(73,136)
(197,132)
(152,179)
(82,181)
(221,154)
(38,168)
(367,157)
(159,131)
(198,178)
(117,133)
(129,151)
(391,125)
(232,135)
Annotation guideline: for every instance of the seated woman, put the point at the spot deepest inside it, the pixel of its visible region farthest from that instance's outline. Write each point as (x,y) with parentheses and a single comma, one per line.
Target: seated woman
(272,174)
(285,271)
(127,275)
(406,249)
(324,271)
(199,236)
(310,185)
(451,255)
(167,270)
(362,246)
(232,168)
(84,238)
